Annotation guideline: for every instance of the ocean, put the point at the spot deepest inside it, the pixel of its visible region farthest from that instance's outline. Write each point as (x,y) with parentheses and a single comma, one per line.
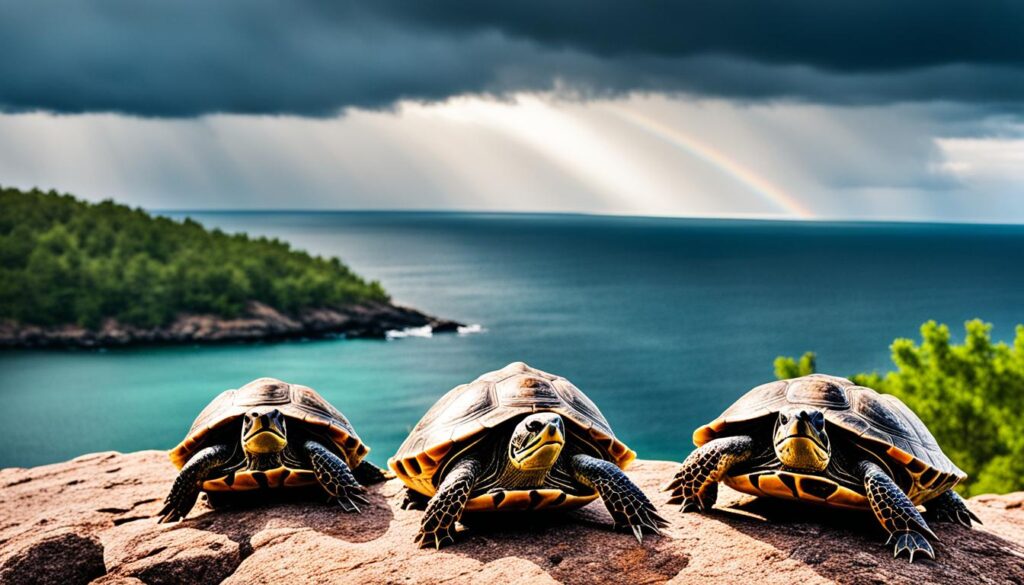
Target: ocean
(662,322)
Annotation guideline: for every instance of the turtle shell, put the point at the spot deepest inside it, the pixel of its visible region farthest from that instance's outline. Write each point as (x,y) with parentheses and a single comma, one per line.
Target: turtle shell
(467,411)
(881,423)
(299,404)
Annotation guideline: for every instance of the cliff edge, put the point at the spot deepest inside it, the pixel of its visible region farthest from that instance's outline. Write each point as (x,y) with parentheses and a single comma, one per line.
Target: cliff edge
(90,520)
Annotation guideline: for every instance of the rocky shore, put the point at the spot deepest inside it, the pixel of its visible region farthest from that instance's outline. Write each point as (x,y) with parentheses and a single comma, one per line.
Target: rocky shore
(259,322)
(90,520)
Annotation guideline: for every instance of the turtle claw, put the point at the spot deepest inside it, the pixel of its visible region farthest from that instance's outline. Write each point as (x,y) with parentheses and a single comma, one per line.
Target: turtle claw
(695,498)
(658,519)
(346,504)
(164,515)
(692,504)
(638,532)
(950,507)
(349,500)
(651,525)
(676,482)
(651,521)
(970,516)
(963,517)
(171,512)
(637,516)
(168,514)
(636,529)
(919,527)
(436,538)
(912,542)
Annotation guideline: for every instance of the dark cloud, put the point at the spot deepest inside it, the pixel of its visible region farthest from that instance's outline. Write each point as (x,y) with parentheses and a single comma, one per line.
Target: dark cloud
(190,57)
(845,35)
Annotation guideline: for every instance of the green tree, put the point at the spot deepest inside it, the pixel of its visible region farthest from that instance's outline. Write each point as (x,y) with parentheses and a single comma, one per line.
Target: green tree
(970,395)
(66,261)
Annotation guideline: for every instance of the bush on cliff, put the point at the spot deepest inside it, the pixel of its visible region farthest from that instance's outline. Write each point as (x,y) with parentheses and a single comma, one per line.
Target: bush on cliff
(971,396)
(63,260)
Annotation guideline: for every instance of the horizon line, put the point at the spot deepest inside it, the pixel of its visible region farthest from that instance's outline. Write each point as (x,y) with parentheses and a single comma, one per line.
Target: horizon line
(751,218)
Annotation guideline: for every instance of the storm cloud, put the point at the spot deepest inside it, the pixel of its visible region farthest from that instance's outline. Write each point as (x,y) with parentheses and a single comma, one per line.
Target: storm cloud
(190,57)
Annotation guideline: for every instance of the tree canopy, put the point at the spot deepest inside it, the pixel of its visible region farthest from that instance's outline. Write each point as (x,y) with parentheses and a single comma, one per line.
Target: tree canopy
(63,260)
(970,395)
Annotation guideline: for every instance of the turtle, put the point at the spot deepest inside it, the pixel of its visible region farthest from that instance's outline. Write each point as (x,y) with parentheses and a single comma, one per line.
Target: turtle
(269,434)
(825,440)
(516,439)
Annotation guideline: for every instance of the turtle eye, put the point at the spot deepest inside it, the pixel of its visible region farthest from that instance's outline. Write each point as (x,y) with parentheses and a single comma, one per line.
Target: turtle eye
(533,426)
(783,419)
(818,420)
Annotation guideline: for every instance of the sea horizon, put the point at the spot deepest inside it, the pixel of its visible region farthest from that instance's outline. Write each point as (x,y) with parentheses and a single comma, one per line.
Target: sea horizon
(739,219)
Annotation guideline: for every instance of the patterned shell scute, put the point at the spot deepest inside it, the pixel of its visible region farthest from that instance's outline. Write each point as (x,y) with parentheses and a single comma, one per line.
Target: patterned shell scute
(819,391)
(298,403)
(880,418)
(466,411)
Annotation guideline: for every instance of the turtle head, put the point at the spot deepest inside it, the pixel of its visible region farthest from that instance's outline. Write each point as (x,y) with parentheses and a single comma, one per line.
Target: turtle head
(537,442)
(264,433)
(801,441)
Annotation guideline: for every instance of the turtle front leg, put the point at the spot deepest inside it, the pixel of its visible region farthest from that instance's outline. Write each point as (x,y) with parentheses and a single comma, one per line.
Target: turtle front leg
(186,487)
(950,507)
(335,477)
(628,505)
(447,505)
(896,513)
(695,485)
(368,474)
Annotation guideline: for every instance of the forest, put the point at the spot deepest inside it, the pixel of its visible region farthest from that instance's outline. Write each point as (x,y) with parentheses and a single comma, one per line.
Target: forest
(67,261)
(969,394)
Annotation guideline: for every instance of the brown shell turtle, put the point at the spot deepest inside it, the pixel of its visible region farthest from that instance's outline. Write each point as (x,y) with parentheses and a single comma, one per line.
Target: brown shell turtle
(825,440)
(516,439)
(269,434)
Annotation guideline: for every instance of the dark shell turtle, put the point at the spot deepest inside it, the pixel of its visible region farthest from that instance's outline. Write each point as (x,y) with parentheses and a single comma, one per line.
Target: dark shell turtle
(486,432)
(826,440)
(468,411)
(879,423)
(299,404)
(269,434)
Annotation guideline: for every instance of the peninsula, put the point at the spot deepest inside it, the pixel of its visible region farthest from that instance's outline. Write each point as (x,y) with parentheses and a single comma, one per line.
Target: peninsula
(79,274)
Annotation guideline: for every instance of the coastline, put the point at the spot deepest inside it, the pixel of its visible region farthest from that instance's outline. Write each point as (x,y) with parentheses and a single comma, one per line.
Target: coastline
(259,322)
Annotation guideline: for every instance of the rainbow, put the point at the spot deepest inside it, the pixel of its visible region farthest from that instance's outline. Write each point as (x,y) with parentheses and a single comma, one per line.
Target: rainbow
(717,159)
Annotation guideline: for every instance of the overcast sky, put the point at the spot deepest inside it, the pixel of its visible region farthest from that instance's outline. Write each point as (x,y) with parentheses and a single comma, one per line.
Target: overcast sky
(785,109)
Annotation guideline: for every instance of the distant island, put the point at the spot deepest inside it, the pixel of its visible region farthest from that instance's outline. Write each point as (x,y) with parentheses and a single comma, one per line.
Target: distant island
(79,274)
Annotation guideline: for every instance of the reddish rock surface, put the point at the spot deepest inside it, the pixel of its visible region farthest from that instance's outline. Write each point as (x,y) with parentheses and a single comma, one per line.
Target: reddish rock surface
(89,519)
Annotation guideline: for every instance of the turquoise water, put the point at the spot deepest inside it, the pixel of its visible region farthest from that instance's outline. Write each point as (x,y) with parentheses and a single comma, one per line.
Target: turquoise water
(662,322)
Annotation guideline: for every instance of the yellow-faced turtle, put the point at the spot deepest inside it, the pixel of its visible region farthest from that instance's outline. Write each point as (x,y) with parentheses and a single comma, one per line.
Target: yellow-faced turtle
(270,434)
(825,440)
(516,439)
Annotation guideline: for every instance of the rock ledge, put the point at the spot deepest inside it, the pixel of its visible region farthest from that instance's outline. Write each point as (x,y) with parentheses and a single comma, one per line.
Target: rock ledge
(259,323)
(90,520)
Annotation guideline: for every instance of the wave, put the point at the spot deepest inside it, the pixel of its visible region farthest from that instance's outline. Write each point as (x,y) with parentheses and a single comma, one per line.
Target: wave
(427,331)
(471,329)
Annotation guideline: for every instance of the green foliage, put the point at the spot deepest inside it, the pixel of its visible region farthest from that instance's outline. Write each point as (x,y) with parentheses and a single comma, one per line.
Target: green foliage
(787,367)
(971,396)
(67,261)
